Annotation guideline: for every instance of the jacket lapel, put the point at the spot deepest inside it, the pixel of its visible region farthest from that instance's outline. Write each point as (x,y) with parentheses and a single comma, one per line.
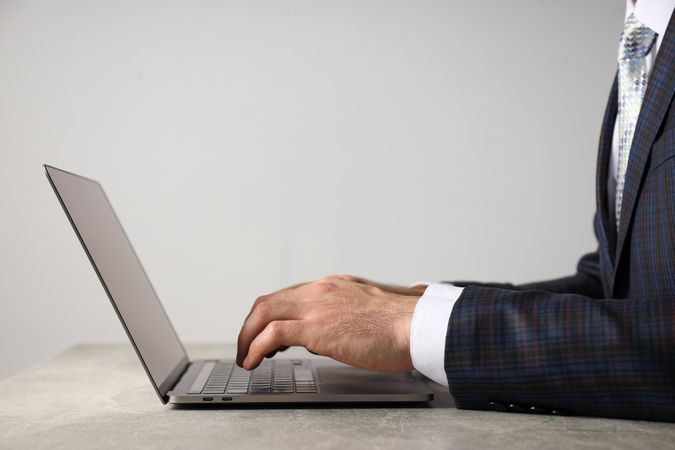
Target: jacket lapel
(657,98)
(606,232)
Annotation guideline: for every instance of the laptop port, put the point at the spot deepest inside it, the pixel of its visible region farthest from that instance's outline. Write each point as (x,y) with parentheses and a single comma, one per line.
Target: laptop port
(207,399)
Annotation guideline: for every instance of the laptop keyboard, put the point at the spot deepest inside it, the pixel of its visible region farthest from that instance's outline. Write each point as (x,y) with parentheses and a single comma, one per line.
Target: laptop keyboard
(276,377)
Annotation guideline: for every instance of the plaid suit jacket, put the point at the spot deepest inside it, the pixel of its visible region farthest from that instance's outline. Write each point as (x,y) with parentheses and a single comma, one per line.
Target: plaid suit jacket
(601,342)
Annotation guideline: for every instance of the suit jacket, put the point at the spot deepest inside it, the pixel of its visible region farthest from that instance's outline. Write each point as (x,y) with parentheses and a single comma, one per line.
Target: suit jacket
(600,342)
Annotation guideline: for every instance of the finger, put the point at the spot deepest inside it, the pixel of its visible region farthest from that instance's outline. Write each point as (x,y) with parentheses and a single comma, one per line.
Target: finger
(280,349)
(275,335)
(264,313)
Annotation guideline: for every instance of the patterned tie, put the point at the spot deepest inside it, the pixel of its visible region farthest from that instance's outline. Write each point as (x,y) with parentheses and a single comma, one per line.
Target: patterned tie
(636,41)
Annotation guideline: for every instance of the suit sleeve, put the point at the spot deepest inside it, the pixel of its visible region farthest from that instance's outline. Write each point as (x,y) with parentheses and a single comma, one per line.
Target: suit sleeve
(565,352)
(586,281)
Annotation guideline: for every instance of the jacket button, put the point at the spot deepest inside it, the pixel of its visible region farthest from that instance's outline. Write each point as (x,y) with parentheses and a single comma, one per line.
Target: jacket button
(537,410)
(515,408)
(496,406)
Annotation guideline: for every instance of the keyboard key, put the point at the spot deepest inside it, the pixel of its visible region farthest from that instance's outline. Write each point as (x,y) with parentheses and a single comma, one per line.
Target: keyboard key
(282,377)
(214,391)
(202,377)
(237,390)
(302,374)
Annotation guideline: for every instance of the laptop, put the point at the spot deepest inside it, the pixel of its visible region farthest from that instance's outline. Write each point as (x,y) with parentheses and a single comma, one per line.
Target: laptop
(177,379)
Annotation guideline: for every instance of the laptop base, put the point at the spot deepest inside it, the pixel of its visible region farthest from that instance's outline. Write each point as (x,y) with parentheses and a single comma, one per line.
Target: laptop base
(335,383)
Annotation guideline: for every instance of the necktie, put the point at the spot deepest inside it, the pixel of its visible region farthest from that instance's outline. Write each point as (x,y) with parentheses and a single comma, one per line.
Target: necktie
(636,41)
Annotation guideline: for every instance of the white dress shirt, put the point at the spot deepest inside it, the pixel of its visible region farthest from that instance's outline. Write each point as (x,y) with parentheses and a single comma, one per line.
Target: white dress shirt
(433,310)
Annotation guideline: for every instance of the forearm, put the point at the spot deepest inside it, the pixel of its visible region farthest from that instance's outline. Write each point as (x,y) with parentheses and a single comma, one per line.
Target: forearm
(585,282)
(562,351)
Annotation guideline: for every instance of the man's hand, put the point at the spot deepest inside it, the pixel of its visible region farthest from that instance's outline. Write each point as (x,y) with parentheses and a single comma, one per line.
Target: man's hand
(349,319)
(416,290)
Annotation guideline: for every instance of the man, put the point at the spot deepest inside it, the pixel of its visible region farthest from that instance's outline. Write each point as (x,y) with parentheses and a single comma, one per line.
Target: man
(601,342)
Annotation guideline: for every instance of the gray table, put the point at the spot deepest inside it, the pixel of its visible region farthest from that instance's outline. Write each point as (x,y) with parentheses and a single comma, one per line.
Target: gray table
(97,396)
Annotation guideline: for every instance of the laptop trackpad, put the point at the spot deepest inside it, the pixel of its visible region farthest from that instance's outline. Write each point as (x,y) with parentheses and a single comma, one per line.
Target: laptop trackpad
(339,378)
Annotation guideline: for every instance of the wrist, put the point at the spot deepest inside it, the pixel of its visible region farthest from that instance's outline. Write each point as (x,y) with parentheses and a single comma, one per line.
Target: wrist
(404,329)
(418,290)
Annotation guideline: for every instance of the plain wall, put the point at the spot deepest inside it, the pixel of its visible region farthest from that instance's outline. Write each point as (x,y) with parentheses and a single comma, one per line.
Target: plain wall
(248,145)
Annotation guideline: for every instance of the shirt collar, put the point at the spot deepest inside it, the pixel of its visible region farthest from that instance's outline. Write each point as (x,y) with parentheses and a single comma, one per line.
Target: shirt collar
(655,14)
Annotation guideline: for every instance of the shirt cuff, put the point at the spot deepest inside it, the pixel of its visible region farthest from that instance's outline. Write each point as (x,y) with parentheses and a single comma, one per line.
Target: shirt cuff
(429,328)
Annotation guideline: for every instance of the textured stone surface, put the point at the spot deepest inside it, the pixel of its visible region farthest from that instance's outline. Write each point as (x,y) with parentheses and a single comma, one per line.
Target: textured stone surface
(97,396)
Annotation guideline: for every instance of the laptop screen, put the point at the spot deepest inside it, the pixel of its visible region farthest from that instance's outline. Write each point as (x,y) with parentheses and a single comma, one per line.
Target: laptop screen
(122,275)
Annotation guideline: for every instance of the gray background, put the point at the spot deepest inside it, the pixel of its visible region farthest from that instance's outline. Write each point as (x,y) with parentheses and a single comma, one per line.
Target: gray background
(247,145)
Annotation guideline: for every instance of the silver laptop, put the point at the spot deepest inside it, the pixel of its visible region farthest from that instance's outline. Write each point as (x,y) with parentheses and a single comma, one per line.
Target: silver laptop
(175,378)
